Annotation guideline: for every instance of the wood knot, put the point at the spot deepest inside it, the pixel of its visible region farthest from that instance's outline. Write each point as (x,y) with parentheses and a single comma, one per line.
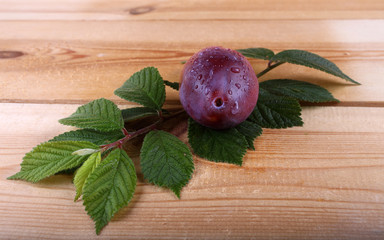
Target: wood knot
(10,54)
(141,10)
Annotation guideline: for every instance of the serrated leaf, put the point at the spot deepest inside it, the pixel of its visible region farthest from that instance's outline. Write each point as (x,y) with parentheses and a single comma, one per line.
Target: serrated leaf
(109,187)
(258,53)
(90,135)
(311,60)
(227,145)
(51,157)
(299,90)
(145,87)
(273,111)
(166,161)
(173,85)
(100,114)
(135,113)
(83,172)
(250,131)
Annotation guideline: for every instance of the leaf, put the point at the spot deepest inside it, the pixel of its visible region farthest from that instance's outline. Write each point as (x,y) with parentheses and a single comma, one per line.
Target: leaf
(273,111)
(83,172)
(250,131)
(90,135)
(166,161)
(135,113)
(51,157)
(299,90)
(258,53)
(145,87)
(227,145)
(100,114)
(311,60)
(109,187)
(173,85)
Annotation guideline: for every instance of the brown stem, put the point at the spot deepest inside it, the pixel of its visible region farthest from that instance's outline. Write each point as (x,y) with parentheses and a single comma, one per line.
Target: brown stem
(269,68)
(119,143)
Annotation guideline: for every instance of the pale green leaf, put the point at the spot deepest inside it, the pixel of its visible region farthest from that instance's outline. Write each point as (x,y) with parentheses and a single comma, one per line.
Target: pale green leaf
(145,87)
(109,187)
(166,161)
(227,145)
(51,157)
(83,172)
(311,60)
(100,114)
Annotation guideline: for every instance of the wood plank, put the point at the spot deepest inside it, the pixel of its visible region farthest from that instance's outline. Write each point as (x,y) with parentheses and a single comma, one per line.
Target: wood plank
(189,10)
(323,180)
(79,57)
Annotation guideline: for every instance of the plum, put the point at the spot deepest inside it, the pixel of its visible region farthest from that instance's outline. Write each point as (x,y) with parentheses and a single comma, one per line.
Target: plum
(218,88)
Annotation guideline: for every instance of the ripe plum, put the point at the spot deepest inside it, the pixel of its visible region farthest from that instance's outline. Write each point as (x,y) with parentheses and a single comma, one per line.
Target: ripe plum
(219,88)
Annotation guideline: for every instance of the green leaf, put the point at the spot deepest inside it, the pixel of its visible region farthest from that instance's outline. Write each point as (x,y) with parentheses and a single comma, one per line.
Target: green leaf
(250,131)
(100,114)
(166,161)
(83,172)
(109,187)
(227,145)
(90,135)
(51,157)
(135,113)
(299,90)
(273,111)
(174,85)
(311,60)
(258,53)
(145,87)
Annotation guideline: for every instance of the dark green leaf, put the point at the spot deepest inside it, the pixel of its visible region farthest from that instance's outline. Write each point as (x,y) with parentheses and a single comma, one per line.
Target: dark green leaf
(173,85)
(51,157)
(258,53)
(299,90)
(273,111)
(166,161)
(311,60)
(227,145)
(135,113)
(90,135)
(100,114)
(250,131)
(109,187)
(145,87)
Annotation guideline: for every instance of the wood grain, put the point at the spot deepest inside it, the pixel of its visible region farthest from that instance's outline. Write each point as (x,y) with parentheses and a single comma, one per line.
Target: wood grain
(300,183)
(107,53)
(190,10)
(321,181)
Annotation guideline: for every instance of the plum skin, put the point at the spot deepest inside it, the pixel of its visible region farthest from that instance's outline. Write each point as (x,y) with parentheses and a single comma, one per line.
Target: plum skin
(218,88)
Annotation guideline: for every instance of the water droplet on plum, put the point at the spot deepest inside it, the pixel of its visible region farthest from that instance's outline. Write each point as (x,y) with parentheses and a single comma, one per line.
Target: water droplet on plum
(235,108)
(235,69)
(238,85)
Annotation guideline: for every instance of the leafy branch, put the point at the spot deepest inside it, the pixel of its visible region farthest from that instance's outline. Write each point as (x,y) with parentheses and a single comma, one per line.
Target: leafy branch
(105,176)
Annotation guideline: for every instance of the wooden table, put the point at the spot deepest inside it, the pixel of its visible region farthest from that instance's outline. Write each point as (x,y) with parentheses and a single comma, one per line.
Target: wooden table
(321,181)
